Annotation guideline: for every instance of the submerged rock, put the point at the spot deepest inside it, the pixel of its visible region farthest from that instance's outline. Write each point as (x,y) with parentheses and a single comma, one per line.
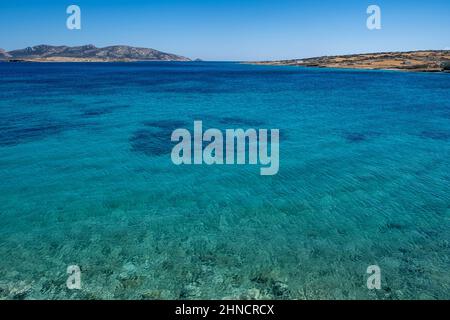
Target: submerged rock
(281,290)
(190,291)
(128,271)
(251,294)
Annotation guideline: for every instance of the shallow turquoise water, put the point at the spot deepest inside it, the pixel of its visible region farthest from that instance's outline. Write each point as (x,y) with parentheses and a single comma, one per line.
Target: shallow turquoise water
(86,178)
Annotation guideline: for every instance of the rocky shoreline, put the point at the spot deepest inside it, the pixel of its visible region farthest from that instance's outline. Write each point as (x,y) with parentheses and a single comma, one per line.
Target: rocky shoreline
(417,61)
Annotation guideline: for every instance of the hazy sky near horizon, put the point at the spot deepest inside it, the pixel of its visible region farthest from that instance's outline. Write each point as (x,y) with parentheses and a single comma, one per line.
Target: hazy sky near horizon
(231,29)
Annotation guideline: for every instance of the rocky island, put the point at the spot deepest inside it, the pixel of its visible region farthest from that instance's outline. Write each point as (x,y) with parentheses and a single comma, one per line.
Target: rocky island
(87,53)
(419,61)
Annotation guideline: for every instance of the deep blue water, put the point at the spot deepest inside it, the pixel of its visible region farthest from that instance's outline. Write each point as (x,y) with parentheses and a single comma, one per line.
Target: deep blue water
(86,178)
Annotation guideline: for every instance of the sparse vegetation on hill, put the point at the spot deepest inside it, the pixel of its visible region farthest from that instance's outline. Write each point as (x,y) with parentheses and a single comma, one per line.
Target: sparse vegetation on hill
(421,61)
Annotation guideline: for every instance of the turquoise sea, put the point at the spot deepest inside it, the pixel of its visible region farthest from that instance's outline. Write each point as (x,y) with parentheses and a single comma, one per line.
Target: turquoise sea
(86,179)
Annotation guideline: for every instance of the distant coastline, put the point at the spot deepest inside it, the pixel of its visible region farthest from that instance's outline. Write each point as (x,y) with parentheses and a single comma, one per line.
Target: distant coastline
(417,61)
(87,53)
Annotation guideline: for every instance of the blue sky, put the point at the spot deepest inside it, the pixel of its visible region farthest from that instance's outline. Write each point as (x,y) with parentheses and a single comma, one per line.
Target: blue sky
(231,29)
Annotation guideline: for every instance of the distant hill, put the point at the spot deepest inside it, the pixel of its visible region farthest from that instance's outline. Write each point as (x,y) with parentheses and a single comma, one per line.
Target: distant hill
(421,61)
(89,53)
(4,55)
